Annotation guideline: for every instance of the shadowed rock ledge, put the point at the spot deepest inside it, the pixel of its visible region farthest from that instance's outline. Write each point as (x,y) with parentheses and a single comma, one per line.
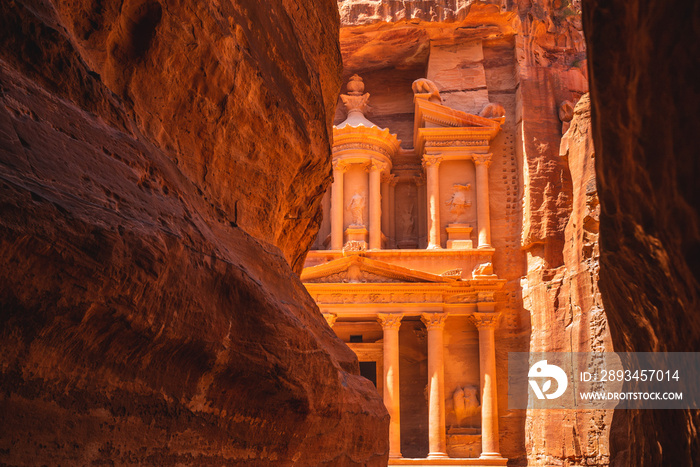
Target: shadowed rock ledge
(161,166)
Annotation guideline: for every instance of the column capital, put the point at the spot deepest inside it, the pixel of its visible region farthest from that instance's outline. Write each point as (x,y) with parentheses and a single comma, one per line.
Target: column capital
(482,159)
(433,320)
(484,320)
(429,161)
(390,320)
(377,165)
(330,318)
(341,166)
(419,180)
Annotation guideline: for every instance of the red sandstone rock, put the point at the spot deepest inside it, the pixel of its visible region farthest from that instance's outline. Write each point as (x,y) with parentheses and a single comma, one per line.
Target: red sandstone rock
(569,311)
(644,58)
(160,167)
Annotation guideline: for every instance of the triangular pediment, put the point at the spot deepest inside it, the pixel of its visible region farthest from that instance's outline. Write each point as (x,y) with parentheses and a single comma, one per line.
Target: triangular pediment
(444,116)
(359,269)
(437,122)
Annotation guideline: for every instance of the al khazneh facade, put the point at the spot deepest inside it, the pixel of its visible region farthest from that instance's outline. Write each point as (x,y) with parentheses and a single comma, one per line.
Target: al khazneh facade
(408,282)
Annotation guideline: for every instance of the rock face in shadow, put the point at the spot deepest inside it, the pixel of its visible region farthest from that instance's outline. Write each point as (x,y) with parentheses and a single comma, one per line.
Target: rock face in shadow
(644,58)
(161,167)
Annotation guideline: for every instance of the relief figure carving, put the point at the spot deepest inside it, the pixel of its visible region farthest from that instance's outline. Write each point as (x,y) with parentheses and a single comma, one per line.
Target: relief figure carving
(357,208)
(460,200)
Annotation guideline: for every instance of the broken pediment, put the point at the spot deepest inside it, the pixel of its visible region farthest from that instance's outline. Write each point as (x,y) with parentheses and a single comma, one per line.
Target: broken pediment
(359,269)
(436,124)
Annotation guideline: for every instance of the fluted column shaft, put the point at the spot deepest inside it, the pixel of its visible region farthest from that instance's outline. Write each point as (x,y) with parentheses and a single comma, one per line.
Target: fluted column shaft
(390,324)
(337,203)
(392,211)
(437,443)
(375,205)
(432,164)
(486,324)
(482,162)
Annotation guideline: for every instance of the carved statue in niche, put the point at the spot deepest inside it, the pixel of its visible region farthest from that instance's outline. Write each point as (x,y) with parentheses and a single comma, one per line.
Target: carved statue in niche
(407,221)
(460,201)
(357,209)
(466,403)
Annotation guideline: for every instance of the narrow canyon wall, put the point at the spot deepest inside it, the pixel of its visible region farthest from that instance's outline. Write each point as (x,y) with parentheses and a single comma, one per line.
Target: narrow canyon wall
(644,58)
(161,169)
(569,311)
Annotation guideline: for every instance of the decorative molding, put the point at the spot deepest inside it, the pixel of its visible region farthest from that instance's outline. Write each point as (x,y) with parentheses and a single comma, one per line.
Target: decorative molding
(450,143)
(484,320)
(377,165)
(390,320)
(429,161)
(433,320)
(340,166)
(482,159)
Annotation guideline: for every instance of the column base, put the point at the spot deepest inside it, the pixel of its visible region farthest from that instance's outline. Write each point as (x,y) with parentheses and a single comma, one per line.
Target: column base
(438,455)
(485,245)
(490,455)
(395,456)
(434,246)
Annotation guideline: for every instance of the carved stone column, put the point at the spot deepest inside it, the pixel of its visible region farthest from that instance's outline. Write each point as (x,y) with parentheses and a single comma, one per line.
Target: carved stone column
(431,164)
(486,324)
(422,219)
(482,163)
(337,203)
(392,210)
(375,205)
(330,318)
(390,324)
(385,205)
(437,443)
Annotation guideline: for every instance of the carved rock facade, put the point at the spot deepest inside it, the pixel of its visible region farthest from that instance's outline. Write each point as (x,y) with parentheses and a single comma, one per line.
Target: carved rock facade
(524,65)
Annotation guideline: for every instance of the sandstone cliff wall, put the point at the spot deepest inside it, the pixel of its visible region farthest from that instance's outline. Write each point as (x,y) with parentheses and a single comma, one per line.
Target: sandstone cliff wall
(644,58)
(568,311)
(161,166)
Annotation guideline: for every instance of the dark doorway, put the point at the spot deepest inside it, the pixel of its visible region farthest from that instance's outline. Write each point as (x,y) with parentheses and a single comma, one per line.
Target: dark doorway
(369,371)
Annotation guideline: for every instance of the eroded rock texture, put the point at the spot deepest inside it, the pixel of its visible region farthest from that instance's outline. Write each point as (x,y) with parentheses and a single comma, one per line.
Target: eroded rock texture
(644,58)
(569,313)
(161,166)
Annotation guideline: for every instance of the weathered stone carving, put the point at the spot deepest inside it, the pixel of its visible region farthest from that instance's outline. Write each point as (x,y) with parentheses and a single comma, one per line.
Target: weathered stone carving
(460,200)
(493,110)
(466,403)
(356,206)
(426,89)
(354,245)
(407,221)
(484,269)
(354,99)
